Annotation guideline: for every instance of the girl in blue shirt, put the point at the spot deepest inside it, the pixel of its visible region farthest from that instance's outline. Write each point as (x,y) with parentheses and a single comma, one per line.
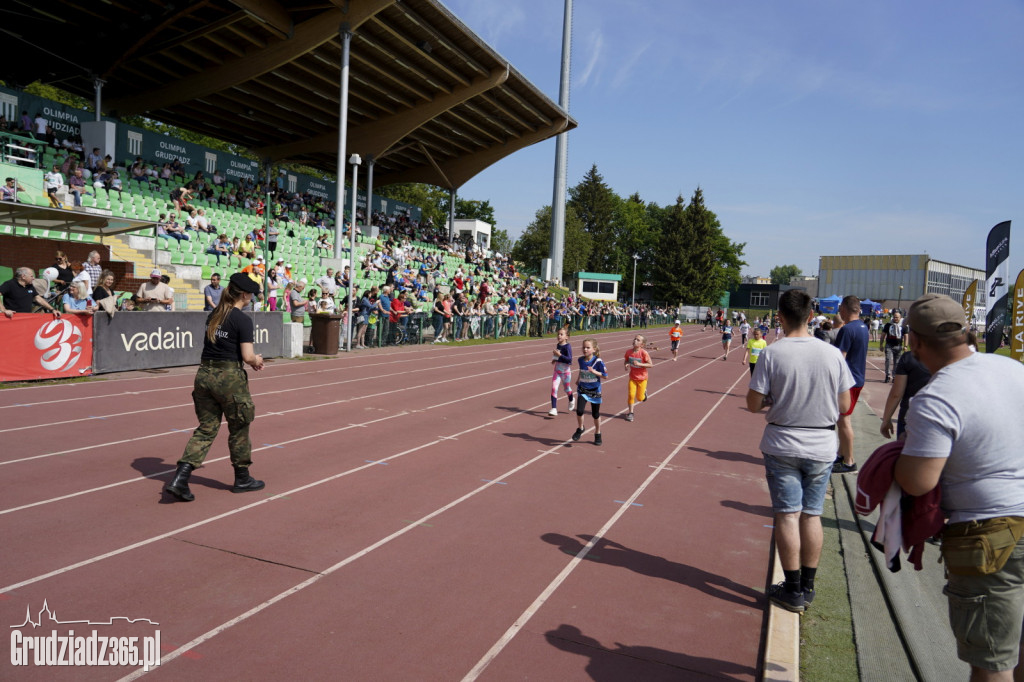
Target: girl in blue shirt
(588,388)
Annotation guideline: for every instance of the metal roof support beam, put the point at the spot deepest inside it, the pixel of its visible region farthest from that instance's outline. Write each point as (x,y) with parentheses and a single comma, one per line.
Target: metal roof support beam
(377,137)
(307,36)
(272,14)
(459,171)
(441,173)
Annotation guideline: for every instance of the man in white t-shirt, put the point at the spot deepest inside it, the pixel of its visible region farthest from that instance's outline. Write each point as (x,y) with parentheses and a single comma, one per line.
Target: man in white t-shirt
(805,385)
(154,295)
(326,282)
(965,430)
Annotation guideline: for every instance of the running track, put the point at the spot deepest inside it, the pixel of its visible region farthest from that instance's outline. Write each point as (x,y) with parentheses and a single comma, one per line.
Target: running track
(423,519)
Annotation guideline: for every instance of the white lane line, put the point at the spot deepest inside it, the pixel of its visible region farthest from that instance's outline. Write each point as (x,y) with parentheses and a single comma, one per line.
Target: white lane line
(162,536)
(187,370)
(264,415)
(532,609)
(499,480)
(330,384)
(263,376)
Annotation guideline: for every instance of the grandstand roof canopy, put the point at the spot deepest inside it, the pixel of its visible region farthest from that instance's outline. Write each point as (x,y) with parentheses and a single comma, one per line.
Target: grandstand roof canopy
(428,99)
(67,220)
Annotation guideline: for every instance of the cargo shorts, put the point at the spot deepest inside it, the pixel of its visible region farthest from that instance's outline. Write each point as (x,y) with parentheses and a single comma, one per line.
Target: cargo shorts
(986,613)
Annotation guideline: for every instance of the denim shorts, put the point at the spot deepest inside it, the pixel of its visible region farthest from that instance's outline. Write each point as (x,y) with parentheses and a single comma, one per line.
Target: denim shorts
(986,613)
(797,484)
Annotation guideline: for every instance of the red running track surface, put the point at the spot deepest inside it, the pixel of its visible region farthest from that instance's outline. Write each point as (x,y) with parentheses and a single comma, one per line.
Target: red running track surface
(423,519)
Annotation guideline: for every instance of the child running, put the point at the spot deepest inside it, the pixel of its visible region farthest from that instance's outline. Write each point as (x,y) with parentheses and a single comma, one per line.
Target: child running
(588,387)
(726,338)
(744,332)
(674,335)
(637,362)
(562,374)
(754,348)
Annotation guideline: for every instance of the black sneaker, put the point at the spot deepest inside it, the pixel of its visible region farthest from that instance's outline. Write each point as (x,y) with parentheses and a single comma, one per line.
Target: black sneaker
(577,434)
(843,468)
(808,596)
(791,601)
(597,439)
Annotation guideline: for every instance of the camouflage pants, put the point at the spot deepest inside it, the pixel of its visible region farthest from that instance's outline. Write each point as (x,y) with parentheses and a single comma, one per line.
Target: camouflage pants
(221,391)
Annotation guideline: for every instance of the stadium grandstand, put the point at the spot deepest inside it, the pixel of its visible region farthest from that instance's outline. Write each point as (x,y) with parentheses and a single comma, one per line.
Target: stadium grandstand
(427,101)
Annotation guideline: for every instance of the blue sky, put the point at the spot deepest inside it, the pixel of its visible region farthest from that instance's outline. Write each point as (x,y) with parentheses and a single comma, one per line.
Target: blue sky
(813,127)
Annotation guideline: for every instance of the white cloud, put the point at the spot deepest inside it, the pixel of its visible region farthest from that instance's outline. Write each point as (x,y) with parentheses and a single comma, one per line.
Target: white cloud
(595,48)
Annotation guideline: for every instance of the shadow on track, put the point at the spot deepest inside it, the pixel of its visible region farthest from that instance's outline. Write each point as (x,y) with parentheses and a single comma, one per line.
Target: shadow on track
(731,456)
(613,554)
(148,466)
(621,662)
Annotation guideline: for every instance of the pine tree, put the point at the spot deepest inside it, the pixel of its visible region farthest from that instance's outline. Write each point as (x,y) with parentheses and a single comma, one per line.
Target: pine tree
(535,243)
(595,204)
(695,262)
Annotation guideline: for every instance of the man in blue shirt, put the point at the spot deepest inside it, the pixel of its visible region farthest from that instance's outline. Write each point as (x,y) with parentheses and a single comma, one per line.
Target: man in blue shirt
(852,341)
(384,306)
(212,292)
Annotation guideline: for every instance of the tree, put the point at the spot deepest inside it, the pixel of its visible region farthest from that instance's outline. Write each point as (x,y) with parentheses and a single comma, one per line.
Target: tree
(595,204)
(694,262)
(635,234)
(432,200)
(501,241)
(781,274)
(535,243)
(472,209)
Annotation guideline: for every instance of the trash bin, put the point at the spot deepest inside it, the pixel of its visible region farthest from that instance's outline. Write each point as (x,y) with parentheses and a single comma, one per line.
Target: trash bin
(325,332)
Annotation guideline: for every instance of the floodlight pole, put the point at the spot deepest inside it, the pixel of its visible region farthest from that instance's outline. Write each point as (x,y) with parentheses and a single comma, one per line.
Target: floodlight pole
(557,244)
(355,160)
(899,302)
(339,194)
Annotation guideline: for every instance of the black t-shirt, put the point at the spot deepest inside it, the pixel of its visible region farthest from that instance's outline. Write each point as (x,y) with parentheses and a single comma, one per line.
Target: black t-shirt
(236,330)
(100,293)
(18,297)
(918,377)
(65,274)
(893,333)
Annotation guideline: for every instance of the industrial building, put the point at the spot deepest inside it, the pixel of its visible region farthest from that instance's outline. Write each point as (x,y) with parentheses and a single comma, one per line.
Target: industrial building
(896,280)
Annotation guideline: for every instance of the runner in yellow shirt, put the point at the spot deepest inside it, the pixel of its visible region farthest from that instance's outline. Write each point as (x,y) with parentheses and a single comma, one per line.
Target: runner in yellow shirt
(754,347)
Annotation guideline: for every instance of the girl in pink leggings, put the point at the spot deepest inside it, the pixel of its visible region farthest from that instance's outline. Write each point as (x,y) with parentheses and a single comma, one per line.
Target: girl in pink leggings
(562,375)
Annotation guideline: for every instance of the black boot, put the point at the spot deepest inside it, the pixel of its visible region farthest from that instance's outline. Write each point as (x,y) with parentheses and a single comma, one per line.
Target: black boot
(179,486)
(244,483)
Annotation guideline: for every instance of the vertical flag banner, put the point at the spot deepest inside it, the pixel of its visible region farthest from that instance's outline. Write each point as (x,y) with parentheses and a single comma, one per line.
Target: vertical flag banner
(970,296)
(1017,333)
(997,281)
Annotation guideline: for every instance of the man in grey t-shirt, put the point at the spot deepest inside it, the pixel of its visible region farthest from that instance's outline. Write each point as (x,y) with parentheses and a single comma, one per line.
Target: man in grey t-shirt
(964,428)
(806,385)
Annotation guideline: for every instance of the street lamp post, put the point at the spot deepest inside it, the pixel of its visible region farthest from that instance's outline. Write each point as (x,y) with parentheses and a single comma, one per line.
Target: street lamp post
(636,259)
(355,160)
(632,307)
(900,300)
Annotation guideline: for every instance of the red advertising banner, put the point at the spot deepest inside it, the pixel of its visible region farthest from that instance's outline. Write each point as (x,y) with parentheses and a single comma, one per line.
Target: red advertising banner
(37,346)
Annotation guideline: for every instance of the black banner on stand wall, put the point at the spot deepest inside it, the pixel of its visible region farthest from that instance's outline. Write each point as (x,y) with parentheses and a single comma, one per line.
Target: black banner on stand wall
(137,340)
